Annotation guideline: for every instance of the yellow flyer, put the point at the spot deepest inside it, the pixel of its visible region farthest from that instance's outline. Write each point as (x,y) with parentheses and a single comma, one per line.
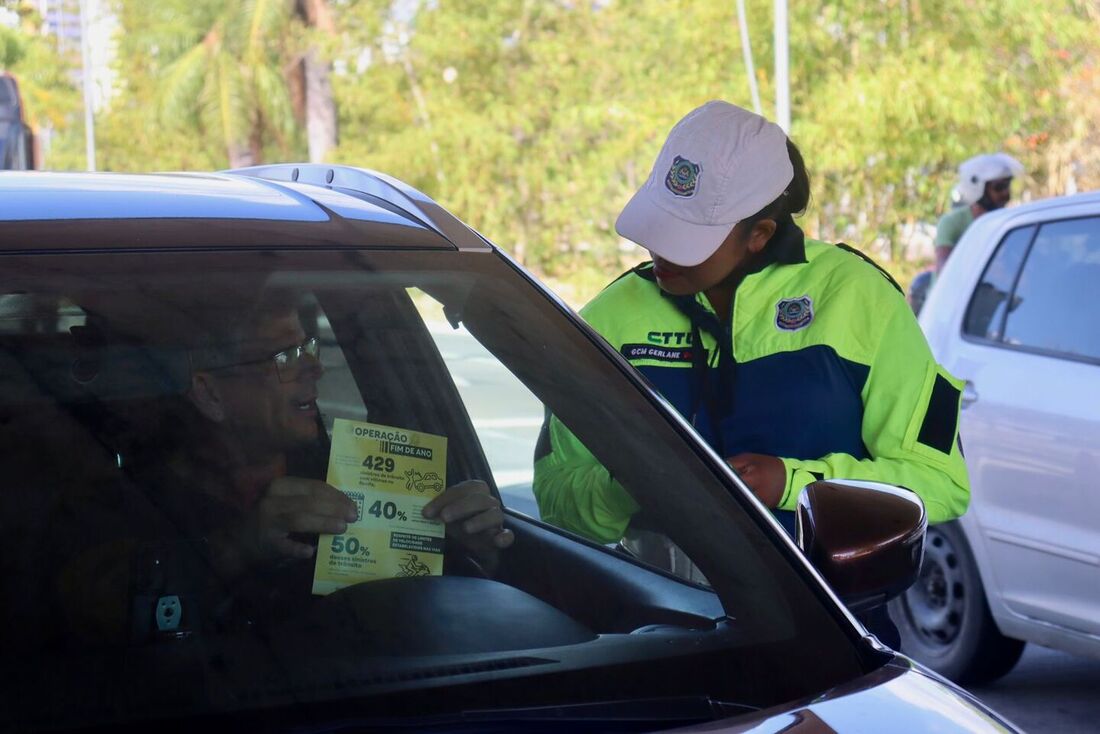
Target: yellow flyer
(390,473)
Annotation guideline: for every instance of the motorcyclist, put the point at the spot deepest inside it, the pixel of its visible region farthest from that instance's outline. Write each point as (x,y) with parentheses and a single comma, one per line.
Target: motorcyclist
(985,184)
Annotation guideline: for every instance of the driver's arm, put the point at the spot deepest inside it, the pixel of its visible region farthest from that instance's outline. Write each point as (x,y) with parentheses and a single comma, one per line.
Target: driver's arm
(291,506)
(474,518)
(294,506)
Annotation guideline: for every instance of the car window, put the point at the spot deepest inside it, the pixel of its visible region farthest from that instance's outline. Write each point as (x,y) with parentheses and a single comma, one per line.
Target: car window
(504,413)
(150,403)
(338,395)
(1053,301)
(990,302)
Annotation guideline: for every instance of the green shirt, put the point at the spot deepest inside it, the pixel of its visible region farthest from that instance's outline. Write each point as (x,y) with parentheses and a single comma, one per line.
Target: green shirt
(952,225)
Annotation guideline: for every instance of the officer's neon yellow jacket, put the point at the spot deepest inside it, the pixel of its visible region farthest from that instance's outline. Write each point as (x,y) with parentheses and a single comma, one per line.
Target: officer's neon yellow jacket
(830,372)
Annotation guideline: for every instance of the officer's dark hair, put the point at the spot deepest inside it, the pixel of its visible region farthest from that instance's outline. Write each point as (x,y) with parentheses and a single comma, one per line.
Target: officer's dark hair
(794,199)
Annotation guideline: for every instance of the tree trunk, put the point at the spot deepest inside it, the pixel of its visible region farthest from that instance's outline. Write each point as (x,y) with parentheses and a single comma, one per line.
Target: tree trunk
(320,104)
(317,15)
(295,76)
(320,107)
(240,156)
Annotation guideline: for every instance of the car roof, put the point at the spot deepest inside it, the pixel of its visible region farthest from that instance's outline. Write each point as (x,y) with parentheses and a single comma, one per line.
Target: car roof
(280,206)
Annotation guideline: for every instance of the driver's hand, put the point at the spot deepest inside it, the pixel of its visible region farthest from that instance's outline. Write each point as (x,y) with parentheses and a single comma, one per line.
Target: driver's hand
(295,505)
(473,516)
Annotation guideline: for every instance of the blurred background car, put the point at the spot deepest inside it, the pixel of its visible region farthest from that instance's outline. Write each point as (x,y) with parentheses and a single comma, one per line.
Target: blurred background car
(1014,314)
(17,151)
(103,303)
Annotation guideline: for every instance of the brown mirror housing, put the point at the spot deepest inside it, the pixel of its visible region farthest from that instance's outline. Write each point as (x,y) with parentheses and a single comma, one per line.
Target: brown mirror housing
(865,538)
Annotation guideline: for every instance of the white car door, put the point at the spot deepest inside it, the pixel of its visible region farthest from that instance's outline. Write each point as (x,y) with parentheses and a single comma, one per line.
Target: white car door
(1030,354)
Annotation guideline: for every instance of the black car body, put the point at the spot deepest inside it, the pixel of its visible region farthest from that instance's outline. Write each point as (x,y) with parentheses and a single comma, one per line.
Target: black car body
(103,279)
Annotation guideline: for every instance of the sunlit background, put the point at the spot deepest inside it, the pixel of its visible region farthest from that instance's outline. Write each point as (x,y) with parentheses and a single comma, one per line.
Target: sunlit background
(534,120)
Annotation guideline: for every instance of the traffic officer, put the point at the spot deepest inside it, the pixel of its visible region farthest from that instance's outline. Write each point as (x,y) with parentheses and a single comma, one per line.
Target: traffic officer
(796,360)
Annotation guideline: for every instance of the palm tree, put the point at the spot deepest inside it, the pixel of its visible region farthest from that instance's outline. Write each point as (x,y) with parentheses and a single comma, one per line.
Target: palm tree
(236,82)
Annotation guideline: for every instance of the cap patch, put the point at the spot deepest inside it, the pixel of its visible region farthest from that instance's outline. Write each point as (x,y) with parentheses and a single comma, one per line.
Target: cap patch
(682,177)
(792,314)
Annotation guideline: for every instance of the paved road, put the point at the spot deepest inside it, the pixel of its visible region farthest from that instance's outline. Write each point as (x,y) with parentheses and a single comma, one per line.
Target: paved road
(1048,692)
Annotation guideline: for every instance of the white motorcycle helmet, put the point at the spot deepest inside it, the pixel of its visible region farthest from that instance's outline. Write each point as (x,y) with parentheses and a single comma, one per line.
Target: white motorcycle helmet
(975,172)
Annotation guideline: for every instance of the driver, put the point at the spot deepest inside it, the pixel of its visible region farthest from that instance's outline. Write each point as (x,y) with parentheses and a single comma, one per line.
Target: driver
(233,482)
(261,413)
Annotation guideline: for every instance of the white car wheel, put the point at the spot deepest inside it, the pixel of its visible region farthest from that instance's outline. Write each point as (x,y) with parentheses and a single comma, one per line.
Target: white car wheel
(944,617)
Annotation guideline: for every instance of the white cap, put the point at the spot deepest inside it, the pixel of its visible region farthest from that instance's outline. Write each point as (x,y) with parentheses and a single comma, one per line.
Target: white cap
(719,165)
(975,172)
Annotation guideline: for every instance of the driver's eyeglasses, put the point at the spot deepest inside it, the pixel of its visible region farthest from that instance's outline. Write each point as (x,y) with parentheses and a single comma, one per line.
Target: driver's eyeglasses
(1001,186)
(288,362)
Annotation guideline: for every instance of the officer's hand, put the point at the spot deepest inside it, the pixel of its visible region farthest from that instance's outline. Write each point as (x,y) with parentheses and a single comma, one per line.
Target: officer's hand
(473,517)
(765,475)
(294,505)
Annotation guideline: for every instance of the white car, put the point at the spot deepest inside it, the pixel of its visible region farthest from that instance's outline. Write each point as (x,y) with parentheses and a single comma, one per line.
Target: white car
(1014,314)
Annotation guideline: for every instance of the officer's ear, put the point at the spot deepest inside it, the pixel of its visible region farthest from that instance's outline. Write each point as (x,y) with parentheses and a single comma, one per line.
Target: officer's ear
(206,396)
(761,234)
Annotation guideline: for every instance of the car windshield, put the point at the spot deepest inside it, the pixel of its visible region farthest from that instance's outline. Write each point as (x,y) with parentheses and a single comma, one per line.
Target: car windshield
(137,390)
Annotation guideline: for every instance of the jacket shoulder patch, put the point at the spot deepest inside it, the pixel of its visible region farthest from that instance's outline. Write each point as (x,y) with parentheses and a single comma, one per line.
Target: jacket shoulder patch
(793,314)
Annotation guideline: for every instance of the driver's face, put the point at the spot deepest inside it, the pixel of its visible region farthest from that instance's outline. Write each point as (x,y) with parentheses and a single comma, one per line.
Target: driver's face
(266,412)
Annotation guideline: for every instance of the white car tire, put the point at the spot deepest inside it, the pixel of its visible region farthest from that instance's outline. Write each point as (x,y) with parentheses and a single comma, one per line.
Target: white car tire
(944,617)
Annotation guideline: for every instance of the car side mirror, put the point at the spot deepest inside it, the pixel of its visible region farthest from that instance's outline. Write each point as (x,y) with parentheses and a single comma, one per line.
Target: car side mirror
(865,538)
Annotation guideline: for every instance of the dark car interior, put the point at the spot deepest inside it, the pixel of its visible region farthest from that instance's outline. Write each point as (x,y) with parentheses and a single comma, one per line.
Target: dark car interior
(93,382)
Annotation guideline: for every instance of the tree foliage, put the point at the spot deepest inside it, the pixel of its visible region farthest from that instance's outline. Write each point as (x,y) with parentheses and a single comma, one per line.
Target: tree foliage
(45,80)
(229,83)
(913,87)
(535,120)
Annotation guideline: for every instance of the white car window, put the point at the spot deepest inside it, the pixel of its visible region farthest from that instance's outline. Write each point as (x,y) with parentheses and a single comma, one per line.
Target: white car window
(1054,300)
(989,303)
